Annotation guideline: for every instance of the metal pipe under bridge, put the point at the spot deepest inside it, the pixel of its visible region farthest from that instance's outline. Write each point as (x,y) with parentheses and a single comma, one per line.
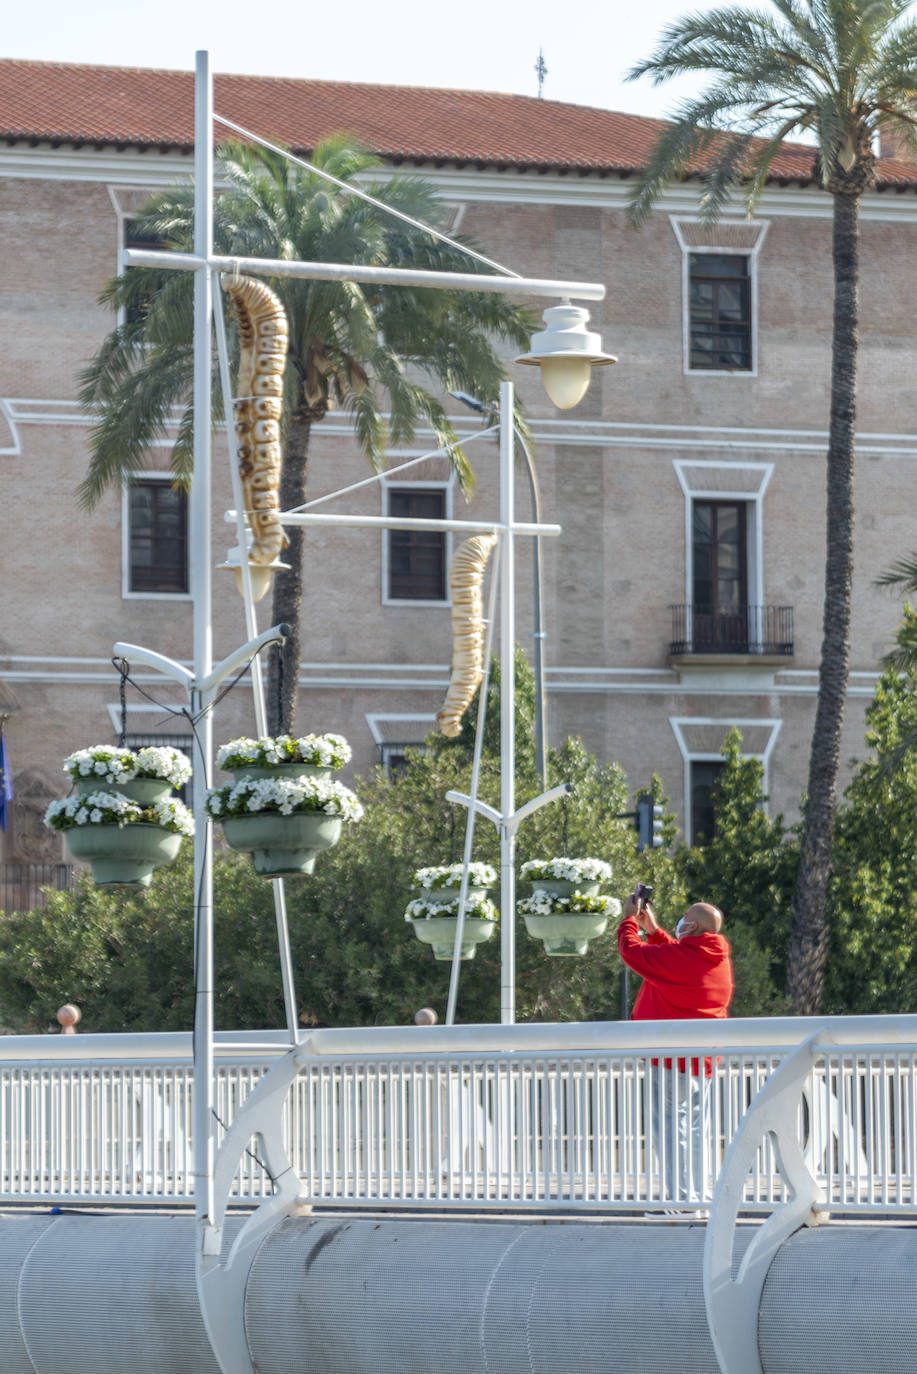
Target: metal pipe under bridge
(490,1198)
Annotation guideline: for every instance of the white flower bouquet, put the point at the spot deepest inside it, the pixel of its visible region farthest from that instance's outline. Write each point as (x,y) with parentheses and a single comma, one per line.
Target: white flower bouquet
(110,808)
(477,909)
(450,875)
(323,751)
(573,904)
(567,870)
(283,796)
(111,766)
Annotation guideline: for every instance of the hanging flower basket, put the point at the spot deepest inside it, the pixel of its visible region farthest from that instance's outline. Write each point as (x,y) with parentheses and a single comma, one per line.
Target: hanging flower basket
(443,884)
(123,842)
(146,777)
(564,876)
(283,756)
(566,923)
(283,822)
(435,923)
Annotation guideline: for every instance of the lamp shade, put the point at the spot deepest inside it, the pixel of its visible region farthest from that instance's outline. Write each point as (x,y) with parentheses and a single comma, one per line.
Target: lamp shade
(260,573)
(566,351)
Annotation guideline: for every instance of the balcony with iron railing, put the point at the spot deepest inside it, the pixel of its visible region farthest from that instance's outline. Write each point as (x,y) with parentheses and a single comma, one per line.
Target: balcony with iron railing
(759,631)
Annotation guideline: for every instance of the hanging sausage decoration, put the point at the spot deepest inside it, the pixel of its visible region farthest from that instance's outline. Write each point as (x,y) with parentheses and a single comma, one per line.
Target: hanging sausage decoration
(466,576)
(263,335)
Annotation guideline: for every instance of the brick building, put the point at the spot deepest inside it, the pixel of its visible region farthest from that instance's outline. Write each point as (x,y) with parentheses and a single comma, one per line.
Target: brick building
(685,594)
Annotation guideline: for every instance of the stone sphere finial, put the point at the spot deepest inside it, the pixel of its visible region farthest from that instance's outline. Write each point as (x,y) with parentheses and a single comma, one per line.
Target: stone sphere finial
(425,1017)
(68,1015)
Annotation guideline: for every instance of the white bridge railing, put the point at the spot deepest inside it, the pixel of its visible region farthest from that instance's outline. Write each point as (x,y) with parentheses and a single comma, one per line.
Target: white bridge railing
(531,1116)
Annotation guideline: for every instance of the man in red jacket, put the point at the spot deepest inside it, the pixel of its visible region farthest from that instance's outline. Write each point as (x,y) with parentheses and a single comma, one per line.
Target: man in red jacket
(685,976)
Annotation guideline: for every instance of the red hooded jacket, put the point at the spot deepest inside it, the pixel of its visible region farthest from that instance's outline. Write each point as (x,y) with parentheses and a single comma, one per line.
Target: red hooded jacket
(682,979)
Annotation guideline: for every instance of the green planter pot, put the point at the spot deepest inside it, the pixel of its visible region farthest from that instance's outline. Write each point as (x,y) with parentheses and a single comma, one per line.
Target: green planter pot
(143,791)
(439,932)
(281,770)
(561,887)
(123,855)
(282,845)
(564,933)
(442,896)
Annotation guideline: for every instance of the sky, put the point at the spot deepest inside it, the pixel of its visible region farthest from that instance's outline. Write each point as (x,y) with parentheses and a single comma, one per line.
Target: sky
(474,46)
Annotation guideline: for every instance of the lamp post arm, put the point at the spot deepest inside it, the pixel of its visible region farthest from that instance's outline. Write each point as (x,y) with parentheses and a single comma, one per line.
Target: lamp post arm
(168,666)
(277,634)
(490,812)
(562,790)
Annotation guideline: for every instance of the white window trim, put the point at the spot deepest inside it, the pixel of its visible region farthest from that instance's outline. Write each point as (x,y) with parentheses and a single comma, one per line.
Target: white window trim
(153,475)
(447,485)
(754,533)
(713,247)
(689,756)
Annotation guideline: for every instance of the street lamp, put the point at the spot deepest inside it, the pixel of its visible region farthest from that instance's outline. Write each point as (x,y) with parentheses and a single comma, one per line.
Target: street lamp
(260,573)
(566,351)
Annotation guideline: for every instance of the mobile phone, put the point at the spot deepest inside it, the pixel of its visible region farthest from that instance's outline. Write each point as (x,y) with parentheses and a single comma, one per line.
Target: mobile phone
(643,893)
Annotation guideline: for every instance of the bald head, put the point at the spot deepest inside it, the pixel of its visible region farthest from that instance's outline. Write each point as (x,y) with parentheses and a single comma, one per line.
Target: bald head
(701,919)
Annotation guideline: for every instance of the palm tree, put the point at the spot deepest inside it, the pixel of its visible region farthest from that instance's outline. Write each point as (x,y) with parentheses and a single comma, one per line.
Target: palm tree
(350,346)
(840,71)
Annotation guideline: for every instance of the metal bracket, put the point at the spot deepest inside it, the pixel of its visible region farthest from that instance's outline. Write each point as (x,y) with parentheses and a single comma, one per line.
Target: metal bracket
(221,1285)
(733,1303)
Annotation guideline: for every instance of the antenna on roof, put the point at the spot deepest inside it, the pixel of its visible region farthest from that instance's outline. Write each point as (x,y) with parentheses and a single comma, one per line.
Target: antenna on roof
(541,72)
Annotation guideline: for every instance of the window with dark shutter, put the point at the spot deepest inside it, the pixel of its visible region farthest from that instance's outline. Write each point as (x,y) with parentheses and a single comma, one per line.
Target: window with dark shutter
(158,537)
(417,558)
(719,298)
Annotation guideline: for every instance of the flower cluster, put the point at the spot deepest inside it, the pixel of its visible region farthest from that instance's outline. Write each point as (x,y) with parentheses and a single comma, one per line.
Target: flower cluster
(284,796)
(567,870)
(574,904)
(164,762)
(171,814)
(450,875)
(476,909)
(110,808)
(323,751)
(115,766)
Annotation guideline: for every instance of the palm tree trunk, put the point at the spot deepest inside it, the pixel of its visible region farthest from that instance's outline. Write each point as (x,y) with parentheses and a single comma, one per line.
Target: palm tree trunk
(808,949)
(283,672)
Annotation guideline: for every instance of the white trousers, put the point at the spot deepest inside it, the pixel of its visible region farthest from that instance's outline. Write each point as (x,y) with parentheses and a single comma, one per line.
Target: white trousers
(680,1119)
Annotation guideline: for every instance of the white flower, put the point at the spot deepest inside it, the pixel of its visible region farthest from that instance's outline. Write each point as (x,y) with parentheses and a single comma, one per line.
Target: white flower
(567,870)
(480,909)
(450,875)
(327,751)
(288,796)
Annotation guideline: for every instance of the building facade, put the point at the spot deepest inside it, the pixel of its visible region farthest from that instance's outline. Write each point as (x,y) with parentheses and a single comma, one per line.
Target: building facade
(684,596)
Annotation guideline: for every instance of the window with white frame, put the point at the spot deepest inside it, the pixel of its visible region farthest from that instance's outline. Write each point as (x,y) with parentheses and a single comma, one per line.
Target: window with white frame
(700,742)
(416,560)
(720,295)
(155,537)
(719,312)
(723,610)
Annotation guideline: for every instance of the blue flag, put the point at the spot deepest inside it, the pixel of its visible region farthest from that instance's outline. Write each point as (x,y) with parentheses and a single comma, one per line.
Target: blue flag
(6,783)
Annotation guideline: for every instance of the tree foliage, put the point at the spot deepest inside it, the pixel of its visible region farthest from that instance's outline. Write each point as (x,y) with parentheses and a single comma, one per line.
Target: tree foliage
(748,870)
(873,963)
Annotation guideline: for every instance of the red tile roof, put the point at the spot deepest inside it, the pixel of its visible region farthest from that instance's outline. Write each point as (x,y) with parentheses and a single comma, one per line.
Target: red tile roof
(136,107)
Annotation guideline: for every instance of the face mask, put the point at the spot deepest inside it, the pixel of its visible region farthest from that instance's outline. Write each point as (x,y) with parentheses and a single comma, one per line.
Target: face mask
(682,927)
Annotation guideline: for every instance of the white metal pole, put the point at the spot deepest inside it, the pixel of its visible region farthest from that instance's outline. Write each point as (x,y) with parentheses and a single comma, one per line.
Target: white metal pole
(203,651)
(507,715)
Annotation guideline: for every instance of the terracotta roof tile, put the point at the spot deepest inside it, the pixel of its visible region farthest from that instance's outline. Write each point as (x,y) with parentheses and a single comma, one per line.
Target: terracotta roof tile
(137,107)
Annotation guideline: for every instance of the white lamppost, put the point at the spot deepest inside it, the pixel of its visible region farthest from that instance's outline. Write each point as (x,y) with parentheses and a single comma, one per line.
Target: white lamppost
(566,351)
